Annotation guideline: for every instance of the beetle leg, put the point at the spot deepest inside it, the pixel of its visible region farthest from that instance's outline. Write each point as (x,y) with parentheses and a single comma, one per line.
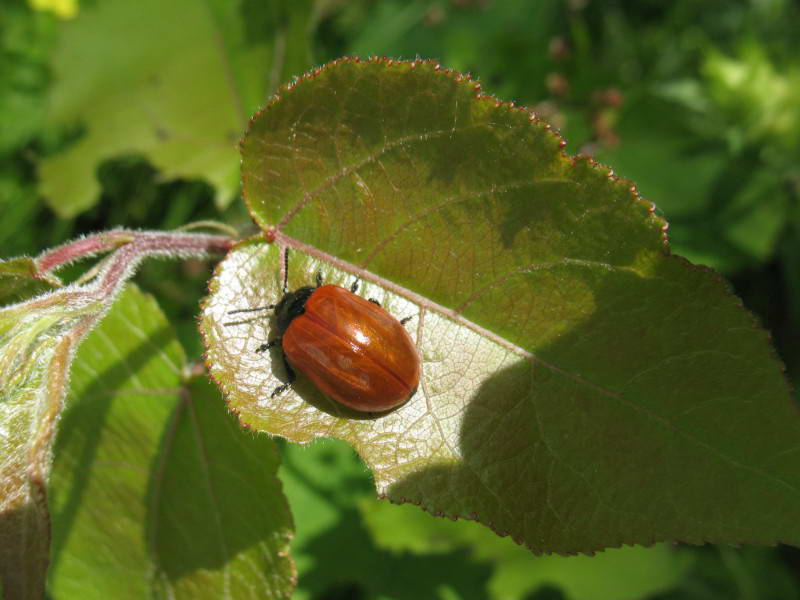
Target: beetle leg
(354,286)
(290,374)
(280,389)
(374,301)
(319,278)
(406,319)
(268,345)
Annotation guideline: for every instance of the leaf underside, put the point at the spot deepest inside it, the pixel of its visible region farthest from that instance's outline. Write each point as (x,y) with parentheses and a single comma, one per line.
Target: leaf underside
(581,387)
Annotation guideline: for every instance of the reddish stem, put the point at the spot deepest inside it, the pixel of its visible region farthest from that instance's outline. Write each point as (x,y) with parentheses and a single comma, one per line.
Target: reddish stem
(146,242)
(171,244)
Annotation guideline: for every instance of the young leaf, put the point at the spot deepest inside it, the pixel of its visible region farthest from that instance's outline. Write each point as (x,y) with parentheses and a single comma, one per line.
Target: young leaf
(20,279)
(174,81)
(37,343)
(156,491)
(38,340)
(581,387)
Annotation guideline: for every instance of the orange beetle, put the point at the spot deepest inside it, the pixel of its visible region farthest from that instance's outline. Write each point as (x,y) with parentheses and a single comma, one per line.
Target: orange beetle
(350,348)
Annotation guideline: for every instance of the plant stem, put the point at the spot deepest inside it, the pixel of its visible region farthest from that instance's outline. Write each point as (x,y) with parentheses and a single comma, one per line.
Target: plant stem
(170,243)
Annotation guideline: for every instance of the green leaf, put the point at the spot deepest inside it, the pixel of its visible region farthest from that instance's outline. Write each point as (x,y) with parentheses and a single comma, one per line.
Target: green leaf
(581,387)
(615,574)
(26,39)
(175,82)
(196,508)
(325,483)
(728,214)
(755,96)
(38,339)
(720,573)
(19,280)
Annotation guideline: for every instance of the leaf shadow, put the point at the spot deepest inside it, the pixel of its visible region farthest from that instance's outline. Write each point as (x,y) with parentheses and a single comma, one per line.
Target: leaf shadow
(85,419)
(374,571)
(591,452)
(198,490)
(25,532)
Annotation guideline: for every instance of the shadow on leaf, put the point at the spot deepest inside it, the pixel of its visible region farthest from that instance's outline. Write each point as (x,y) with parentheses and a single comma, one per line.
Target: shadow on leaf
(370,570)
(82,425)
(634,435)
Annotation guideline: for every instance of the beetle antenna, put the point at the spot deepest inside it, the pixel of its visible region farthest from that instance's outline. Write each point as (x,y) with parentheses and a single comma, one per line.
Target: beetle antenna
(286,270)
(244,310)
(247,310)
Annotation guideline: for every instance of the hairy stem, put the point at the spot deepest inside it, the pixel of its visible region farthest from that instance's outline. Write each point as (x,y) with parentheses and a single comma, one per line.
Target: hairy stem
(171,243)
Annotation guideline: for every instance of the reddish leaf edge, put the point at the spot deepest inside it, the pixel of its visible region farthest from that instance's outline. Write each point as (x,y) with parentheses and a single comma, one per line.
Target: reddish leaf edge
(466,79)
(273,234)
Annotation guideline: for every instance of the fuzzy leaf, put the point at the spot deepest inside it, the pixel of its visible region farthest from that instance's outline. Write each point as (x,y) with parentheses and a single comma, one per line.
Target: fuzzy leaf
(197,508)
(19,279)
(582,387)
(175,81)
(38,340)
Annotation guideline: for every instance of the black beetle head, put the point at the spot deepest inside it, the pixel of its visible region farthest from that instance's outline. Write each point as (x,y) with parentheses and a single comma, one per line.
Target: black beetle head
(291,306)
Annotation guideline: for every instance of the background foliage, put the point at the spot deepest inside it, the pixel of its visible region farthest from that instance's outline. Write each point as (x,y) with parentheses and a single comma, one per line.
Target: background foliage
(695,102)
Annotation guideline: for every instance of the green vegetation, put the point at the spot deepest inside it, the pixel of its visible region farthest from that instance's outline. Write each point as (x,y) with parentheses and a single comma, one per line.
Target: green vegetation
(118,114)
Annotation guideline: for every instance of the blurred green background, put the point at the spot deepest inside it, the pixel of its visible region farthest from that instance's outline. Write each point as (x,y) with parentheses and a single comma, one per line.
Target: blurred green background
(117,113)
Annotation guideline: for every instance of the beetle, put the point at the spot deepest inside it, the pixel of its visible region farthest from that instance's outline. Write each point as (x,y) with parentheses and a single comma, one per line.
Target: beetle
(350,348)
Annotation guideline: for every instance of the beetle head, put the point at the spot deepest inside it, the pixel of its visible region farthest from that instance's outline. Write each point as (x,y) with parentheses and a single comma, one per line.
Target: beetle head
(291,306)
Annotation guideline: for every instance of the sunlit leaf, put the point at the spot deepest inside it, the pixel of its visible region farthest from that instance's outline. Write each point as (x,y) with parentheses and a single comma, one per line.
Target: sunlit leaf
(64,9)
(174,81)
(756,97)
(156,491)
(37,342)
(582,387)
